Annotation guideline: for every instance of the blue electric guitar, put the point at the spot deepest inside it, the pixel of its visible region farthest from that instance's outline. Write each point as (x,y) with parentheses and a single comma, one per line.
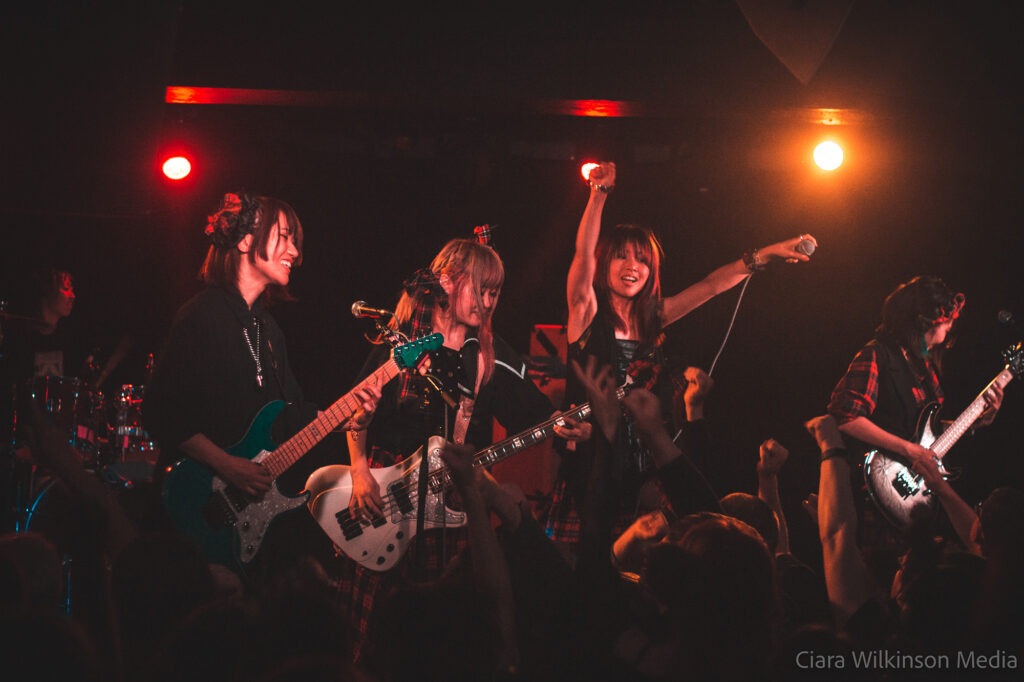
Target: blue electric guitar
(229,524)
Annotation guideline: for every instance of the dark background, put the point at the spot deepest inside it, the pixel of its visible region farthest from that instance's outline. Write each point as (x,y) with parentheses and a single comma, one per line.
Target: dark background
(439,120)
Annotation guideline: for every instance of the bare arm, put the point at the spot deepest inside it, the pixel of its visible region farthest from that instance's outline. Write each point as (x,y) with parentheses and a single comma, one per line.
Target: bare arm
(490,570)
(726,277)
(772,456)
(866,430)
(960,514)
(847,579)
(579,288)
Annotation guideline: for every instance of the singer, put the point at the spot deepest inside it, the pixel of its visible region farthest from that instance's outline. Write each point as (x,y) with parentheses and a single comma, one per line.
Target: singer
(617,314)
(483,377)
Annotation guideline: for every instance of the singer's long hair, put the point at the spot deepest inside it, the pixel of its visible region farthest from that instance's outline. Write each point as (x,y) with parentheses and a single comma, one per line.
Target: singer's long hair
(220,267)
(646,311)
(459,259)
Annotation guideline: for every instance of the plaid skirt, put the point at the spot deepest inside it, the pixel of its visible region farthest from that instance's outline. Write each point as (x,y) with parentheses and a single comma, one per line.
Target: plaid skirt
(359,588)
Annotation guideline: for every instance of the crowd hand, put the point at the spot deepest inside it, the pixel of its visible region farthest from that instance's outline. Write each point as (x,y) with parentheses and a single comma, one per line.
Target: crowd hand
(574,430)
(928,469)
(603,175)
(810,505)
(368,398)
(645,409)
(459,459)
(366,502)
(825,431)
(600,387)
(250,477)
(993,400)
(772,456)
(915,452)
(698,385)
(628,549)
(786,250)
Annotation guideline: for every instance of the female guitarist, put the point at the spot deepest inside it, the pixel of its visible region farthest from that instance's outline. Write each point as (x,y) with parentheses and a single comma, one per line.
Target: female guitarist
(878,401)
(226,359)
(475,378)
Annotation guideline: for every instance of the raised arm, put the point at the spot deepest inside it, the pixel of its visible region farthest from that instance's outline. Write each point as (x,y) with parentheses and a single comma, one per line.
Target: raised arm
(772,456)
(729,275)
(847,578)
(579,289)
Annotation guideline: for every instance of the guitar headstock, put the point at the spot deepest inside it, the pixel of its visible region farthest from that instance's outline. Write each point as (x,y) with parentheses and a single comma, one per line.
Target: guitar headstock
(408,354)
(1014,358)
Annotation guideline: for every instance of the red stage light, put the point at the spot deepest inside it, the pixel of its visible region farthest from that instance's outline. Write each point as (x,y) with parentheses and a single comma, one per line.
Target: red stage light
(177,167)
(586,168)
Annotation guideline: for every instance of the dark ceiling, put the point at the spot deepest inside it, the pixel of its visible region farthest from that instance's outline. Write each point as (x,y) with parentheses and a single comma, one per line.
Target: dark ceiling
(435,120)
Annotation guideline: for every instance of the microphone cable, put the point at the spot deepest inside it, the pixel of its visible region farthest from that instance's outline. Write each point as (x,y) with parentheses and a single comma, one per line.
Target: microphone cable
(728,331)
(732,322)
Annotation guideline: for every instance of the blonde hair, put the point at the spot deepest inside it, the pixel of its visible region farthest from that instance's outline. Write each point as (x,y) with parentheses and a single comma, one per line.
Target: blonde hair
(460,259)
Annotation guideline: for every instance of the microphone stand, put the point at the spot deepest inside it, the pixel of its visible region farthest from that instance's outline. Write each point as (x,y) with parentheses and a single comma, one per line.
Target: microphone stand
(395,338)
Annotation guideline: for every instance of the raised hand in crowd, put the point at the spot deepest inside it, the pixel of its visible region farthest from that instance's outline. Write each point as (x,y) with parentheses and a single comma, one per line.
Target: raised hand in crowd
(772,456)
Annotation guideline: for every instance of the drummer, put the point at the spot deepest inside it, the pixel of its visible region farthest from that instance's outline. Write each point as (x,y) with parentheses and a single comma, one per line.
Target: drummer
(37,342)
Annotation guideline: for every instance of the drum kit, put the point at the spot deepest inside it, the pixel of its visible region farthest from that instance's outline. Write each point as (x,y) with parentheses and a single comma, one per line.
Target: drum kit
(106,434)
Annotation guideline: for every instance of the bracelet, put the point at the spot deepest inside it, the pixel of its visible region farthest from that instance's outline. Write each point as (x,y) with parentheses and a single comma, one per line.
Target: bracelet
(833,452)
(601,188)
(750,260)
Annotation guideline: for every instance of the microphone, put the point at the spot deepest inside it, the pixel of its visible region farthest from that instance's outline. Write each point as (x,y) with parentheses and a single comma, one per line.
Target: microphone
(360,309)
(805,246)
(1006,317)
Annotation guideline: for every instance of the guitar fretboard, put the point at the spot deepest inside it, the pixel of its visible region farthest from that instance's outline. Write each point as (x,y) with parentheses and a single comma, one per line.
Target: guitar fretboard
(959,427)
(441,479)
(293,449)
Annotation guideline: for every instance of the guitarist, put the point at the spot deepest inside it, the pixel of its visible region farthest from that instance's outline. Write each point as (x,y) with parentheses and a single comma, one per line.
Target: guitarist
(482,378)
(226,355)
(895,376)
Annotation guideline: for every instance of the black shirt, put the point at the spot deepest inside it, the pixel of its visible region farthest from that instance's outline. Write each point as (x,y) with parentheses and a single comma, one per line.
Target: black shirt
(206,380)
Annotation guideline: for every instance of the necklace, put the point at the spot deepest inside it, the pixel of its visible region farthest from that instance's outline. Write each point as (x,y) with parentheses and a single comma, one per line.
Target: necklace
(255,350)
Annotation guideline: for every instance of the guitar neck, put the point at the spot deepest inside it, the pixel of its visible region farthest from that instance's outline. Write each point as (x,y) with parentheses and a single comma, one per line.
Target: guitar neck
(293,449)
(515,444)
(959,427)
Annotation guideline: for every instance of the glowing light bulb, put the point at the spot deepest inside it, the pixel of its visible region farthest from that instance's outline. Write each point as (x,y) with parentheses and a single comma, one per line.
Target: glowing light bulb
(828,155)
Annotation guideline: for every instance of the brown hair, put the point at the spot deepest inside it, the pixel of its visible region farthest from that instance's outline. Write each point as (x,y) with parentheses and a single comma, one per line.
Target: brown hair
(647,305)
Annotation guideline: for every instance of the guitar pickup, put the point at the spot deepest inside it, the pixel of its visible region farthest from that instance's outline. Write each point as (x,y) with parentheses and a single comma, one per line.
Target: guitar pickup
(350,528)
(401,494)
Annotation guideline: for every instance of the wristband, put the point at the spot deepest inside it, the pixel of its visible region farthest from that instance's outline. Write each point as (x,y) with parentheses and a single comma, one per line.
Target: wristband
(605,189)
(833,452)
(750,260)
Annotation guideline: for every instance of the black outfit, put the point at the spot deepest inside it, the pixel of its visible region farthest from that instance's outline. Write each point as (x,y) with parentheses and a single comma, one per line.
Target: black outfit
(205,382)
(408,414)
(589,507)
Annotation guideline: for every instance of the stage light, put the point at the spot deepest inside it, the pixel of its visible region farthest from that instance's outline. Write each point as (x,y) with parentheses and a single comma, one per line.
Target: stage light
(586,168)
(828,155)
(177,168)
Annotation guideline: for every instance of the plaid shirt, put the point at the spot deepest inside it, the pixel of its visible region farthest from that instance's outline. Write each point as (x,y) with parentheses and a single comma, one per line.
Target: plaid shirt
(856,394)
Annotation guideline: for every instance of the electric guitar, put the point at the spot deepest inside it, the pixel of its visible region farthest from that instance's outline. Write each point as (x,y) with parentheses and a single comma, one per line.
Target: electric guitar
(901,495)
(229,524)
(381,543)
